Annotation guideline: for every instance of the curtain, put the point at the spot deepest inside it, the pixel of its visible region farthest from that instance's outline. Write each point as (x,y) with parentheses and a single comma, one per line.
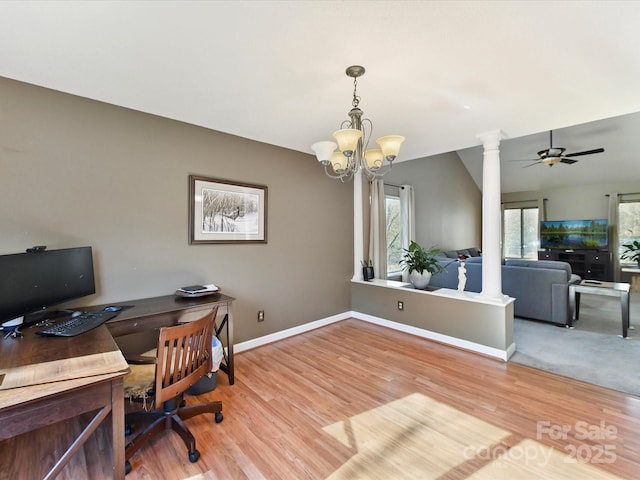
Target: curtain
(542,209)
(407,220)
(378,230)
(614,204)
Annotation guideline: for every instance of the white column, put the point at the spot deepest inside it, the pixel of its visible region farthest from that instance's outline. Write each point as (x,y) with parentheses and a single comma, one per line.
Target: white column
(358,227)
(491,223)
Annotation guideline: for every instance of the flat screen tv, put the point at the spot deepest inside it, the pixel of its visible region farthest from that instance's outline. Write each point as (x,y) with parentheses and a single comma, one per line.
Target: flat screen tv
(33,282)
(574,234)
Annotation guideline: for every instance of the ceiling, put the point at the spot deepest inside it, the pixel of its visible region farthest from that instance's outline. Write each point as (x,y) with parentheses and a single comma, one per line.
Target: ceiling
(437,72)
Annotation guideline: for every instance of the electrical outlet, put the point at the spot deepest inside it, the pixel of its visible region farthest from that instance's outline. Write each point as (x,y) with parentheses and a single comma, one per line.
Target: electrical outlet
(261,315)
(400,305)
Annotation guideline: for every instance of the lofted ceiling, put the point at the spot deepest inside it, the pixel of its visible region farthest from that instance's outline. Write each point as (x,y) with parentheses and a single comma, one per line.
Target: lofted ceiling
(437,72)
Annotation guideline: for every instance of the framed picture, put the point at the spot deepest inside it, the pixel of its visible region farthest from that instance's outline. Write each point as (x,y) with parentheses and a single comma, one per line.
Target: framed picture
(224,211)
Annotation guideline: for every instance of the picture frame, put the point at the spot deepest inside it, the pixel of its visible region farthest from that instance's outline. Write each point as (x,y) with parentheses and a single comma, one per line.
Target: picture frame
(226,211)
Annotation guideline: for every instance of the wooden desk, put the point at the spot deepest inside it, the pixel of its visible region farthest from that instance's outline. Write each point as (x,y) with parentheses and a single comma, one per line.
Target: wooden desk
(48,380)
(45,380)
(156,312)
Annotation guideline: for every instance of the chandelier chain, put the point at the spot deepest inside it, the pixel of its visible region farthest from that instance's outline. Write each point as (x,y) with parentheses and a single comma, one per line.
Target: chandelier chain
(356,99)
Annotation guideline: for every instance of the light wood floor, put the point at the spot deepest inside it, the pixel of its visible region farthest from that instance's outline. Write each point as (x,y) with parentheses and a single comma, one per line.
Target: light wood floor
(305,407)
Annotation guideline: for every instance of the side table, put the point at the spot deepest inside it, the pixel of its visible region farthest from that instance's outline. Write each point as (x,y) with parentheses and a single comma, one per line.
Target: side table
(593,287)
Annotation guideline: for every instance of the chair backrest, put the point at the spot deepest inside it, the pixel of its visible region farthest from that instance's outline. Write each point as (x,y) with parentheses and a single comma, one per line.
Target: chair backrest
(184,356)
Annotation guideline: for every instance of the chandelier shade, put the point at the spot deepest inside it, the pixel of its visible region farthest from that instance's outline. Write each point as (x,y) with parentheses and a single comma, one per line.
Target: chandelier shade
(323,151)
(347,140)
(339,162)
(352,141)
(374,158)
(390,145)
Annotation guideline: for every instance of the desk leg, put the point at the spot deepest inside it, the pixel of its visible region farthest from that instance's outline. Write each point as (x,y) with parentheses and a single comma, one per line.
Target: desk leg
(117,427)
(624,307)
(230,346)
(227,324)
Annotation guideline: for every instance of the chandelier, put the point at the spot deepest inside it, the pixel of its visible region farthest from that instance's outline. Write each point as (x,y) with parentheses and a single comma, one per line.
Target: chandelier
(353,139)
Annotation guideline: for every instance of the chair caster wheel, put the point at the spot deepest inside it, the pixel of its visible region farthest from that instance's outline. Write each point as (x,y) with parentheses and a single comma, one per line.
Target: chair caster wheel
(194,456)
(219,417)
(127,467)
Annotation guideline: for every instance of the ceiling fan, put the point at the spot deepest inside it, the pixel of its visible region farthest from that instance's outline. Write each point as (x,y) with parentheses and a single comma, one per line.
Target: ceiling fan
(553,155)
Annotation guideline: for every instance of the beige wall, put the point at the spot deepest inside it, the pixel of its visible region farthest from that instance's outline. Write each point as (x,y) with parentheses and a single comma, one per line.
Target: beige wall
(76,172)
(448,202)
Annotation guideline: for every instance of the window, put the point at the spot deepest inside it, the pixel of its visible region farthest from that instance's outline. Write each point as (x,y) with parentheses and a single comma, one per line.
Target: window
(394,241)
(521,233)
(628,224)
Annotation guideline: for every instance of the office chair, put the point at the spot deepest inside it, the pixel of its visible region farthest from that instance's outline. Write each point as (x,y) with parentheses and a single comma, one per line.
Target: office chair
(159,379)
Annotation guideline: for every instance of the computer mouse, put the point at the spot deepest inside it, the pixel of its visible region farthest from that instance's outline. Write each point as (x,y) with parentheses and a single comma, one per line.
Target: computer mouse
(112,308)
(76,314)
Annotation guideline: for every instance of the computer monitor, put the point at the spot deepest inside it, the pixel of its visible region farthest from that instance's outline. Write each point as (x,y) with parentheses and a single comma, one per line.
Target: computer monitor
(33,282)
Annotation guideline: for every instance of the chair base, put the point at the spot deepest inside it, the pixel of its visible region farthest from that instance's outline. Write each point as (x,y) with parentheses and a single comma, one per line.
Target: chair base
(170,418)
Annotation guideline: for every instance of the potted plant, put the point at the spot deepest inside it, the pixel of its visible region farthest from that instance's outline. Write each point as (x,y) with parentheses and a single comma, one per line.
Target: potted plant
(632,252)
(421,264)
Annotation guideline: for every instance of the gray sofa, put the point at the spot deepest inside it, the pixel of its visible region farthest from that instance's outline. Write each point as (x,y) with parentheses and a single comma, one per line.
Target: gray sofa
(540,287)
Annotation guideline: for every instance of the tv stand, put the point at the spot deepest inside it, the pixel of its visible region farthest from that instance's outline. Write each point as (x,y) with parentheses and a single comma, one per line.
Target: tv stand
(588,264)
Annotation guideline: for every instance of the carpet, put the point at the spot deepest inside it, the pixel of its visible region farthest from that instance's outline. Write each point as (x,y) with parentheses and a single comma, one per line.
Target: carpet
(592,351)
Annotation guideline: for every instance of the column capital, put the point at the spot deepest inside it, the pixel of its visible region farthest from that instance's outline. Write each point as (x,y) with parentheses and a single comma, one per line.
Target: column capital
(491,139)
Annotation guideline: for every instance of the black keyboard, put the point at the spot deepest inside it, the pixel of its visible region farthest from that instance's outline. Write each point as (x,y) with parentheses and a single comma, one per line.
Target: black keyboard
(80,324)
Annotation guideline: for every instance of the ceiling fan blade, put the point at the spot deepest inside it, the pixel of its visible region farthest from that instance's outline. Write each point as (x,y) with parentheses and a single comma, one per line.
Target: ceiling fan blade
(587,152)
(568,161)
(531,165)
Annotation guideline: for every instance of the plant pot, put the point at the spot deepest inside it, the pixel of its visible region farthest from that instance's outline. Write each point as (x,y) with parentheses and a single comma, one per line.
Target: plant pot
(367,273)
(420,280)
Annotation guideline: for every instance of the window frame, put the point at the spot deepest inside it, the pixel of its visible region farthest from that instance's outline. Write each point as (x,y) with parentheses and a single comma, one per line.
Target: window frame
(396,197)
(522,233)
(623,239)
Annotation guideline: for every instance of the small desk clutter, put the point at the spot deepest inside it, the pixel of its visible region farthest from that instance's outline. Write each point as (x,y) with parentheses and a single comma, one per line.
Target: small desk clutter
(197,290)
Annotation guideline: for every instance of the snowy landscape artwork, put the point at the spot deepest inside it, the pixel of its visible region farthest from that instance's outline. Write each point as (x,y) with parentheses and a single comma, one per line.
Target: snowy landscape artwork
(226,212)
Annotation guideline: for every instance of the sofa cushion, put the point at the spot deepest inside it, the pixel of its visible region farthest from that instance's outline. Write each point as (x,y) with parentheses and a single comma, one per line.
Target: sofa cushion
(479,260)
(473,252)
(473,260)
(550,264)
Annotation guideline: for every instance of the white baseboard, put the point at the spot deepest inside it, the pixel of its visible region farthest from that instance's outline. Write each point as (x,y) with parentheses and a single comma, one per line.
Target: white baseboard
(290,332)
(438,337)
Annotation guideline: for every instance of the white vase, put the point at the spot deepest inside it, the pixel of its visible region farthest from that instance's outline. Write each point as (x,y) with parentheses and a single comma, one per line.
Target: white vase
(420,280)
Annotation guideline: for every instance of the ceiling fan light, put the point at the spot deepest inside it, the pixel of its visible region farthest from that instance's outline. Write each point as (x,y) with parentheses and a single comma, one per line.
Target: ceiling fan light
(347,139)
(390,146)
(551,161)
(374,158)
(323,151)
